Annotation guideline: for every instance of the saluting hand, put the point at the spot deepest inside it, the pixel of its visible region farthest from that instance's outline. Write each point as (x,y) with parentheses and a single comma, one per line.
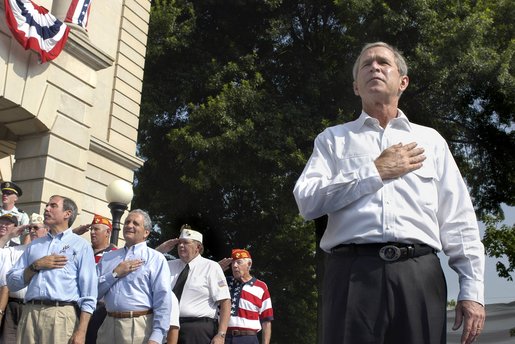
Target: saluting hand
(167,246)
(81,229)
(225,263)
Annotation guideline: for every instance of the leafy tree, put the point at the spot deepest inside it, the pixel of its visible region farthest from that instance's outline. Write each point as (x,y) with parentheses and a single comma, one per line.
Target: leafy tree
(235,92)
(500,243)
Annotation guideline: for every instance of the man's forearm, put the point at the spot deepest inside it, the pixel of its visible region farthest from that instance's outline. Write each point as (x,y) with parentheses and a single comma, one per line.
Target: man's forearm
(83,323)
(267,332)
(29,272)
(225,314)
(4,297)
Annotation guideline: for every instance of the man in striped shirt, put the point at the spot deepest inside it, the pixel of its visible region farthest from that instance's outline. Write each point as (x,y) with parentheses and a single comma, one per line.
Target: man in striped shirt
(251,306)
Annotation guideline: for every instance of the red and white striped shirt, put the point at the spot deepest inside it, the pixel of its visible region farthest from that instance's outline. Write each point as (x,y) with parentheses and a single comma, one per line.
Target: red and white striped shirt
(250,304)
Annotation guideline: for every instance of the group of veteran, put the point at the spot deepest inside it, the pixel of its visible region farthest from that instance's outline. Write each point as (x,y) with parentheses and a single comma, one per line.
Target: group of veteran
(60,288)
(214,308)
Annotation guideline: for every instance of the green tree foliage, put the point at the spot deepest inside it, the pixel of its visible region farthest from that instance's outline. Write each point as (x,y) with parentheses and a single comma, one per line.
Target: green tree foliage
(236,91)
(500,243)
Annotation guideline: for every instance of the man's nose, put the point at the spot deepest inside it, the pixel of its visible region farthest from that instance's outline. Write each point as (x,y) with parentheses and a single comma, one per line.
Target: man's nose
(375,66)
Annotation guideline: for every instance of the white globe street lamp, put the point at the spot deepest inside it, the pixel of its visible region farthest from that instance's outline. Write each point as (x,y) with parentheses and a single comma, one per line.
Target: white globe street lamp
(119,194)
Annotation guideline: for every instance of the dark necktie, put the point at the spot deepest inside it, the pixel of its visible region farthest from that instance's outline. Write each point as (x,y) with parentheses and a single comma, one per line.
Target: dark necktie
(181,280)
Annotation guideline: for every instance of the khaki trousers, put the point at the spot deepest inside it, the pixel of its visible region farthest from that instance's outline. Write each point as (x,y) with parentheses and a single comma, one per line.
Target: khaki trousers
(46,324)
(125,331)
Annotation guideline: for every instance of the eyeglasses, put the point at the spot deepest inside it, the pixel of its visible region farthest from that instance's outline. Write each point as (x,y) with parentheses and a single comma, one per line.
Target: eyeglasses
(8,192)
(35,228)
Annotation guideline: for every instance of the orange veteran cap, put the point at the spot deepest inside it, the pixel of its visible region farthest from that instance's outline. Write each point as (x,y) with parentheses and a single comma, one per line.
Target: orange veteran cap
(99,219)
(239,253)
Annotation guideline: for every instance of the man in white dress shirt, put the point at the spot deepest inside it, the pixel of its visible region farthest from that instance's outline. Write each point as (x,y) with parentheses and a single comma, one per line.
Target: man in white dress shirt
(393,195)
(204,292)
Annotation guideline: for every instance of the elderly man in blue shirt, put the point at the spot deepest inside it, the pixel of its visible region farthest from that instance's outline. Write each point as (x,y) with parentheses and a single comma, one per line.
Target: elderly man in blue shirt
(135,284)
(60,278)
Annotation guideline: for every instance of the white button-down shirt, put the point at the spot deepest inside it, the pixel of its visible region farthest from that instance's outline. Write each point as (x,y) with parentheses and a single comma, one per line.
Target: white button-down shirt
(146,288)
(430,205)
(205,287)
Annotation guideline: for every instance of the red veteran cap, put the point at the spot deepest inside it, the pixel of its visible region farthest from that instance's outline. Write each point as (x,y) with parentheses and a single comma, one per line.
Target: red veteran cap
(99,219)
(239,253)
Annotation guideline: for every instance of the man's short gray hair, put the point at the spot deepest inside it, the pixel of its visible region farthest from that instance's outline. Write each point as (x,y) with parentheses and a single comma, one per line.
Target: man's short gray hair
(147,222)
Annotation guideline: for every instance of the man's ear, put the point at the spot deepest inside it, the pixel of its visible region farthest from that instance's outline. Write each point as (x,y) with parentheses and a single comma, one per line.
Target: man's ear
(404,83)
(355,87)
(67,214)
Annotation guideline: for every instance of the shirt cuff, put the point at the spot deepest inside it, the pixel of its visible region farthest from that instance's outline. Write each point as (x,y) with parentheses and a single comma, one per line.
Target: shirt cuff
(472,291)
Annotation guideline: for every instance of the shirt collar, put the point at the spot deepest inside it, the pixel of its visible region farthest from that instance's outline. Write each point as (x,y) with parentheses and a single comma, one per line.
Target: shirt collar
(137,248)
(194,261)
(401,121)
(61,235)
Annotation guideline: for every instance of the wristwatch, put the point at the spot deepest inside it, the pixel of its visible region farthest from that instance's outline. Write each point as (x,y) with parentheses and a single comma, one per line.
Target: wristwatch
(32,267)
(221,334)
(115,274)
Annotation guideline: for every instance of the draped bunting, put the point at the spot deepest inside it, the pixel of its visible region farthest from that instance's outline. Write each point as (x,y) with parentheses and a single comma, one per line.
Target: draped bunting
(78,13)
(35,28)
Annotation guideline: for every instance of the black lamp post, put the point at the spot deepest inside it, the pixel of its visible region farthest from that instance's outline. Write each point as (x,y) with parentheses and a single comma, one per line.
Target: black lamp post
(119,194)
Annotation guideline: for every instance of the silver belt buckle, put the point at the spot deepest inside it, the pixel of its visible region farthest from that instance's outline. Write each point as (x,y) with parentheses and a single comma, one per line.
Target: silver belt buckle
(390,253)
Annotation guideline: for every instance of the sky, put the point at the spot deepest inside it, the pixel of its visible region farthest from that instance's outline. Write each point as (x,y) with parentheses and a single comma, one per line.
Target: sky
(497,289)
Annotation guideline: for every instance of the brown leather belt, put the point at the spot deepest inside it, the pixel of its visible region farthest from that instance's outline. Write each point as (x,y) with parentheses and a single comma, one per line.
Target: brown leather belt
(129,314)
(237,333)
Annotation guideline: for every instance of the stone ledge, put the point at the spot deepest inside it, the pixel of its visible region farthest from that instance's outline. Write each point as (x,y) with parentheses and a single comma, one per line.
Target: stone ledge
(79,46)
(112,153)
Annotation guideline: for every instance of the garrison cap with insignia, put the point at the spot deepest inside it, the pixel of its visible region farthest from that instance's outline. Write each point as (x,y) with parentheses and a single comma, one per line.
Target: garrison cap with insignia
(10,186)
(239,253)
(10,217)
(99,219)
(190,234)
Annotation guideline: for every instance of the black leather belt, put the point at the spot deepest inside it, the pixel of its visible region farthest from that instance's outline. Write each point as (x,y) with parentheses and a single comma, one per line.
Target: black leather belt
(389,252)
(51,303)
(193,319)
(15,299)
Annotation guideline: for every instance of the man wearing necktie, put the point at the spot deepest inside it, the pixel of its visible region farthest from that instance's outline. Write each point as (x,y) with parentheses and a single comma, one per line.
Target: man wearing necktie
(201,288)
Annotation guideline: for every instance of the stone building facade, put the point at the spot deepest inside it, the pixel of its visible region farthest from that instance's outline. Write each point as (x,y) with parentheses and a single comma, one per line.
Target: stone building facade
(69,126)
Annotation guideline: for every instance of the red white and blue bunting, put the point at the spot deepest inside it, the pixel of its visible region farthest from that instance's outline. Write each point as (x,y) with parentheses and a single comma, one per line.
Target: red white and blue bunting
(78,13)
(34,27)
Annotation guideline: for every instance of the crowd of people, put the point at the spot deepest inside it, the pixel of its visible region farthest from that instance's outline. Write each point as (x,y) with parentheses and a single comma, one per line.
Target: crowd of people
(62,288)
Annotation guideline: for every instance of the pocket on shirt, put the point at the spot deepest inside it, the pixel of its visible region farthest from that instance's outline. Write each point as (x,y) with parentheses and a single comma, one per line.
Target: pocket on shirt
(197,282)
(353,163)
(425,183)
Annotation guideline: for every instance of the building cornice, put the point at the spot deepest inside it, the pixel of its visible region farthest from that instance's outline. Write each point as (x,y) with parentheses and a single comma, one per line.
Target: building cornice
(112,153)
(79,46)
